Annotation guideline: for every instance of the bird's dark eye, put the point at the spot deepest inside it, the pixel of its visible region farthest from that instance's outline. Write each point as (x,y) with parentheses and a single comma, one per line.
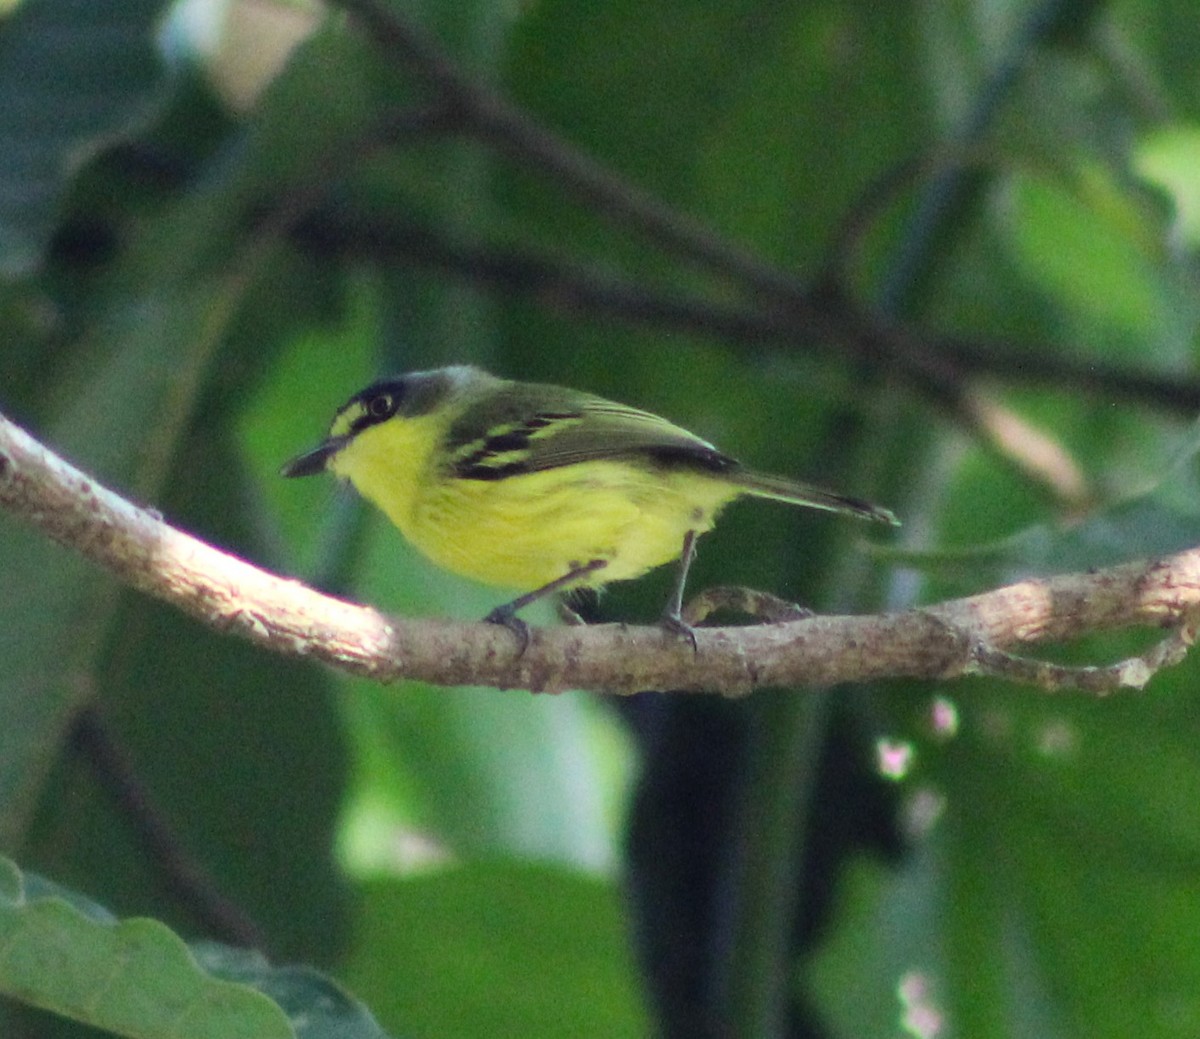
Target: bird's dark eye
(381,407)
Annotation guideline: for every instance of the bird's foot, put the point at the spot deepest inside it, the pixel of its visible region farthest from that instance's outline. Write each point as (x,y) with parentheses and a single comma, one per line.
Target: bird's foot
(674,624)
(507,618)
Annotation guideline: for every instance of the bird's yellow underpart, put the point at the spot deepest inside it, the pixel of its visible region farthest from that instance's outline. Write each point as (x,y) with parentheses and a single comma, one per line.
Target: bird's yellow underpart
(537,488)
(527,530)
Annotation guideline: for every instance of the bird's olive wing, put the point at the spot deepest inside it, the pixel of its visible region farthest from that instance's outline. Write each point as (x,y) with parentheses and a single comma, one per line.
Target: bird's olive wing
(530,428)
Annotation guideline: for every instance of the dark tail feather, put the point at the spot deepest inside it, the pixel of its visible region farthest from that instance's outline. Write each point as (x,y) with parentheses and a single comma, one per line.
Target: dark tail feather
(780,489)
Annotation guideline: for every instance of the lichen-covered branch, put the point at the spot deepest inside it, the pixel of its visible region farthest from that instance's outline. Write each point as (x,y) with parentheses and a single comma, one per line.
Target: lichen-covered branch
(958,637)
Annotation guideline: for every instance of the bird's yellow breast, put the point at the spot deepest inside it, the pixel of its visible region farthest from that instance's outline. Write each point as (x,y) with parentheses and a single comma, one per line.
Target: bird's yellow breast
(523,531)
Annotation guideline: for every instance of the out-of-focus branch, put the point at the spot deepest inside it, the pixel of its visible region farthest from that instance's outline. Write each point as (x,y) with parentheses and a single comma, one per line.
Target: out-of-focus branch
(782,307)
(185,876)
(816,321)
(492,117)
(959,637)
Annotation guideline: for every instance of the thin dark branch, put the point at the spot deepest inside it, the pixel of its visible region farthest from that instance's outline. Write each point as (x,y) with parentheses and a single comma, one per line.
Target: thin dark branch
(1015,363)
(816,322)
(822,314)
(552,280)
(514,133)
(187,880)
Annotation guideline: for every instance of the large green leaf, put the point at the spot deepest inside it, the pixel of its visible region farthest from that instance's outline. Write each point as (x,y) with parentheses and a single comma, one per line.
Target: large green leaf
(156,323)
(135,978)
(53,607)
(75,75)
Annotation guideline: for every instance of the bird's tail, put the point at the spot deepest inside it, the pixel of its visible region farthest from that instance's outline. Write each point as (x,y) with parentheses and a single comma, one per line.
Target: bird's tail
(779,488)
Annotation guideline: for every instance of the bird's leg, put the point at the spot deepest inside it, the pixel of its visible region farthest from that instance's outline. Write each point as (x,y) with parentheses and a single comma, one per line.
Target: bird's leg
(569,615)
(506,615)
(672,618)
(762,606)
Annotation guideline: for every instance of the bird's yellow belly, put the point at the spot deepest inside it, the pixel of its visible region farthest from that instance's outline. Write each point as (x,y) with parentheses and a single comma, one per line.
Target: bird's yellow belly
(524,531)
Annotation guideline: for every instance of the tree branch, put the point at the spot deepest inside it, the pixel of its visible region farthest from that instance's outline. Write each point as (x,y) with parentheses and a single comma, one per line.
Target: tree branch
(782,310)
(958,637)
(185,877)
(811,320)
(493,118)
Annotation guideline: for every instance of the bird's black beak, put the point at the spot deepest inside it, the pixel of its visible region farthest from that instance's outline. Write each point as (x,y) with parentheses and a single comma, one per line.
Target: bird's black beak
(312,462)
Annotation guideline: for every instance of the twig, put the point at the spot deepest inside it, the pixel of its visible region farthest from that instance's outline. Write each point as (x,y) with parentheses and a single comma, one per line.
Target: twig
(1132,673)
(763,606)
(1030,364)
(285,616)
(187,879)
(819,323)
(511,131)
(821,313)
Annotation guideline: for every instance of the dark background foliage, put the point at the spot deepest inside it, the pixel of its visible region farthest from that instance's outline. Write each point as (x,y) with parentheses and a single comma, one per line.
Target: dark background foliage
(940,255)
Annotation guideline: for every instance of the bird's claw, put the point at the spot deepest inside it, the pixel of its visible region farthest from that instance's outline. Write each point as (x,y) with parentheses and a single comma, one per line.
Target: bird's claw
(508,619)
(677,626)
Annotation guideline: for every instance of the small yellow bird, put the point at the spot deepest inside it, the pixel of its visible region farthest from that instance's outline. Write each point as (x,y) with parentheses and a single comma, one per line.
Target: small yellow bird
(540,488)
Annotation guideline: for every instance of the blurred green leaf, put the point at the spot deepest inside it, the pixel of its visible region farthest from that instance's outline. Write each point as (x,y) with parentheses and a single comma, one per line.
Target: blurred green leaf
(218,284)
(1081,251)
(134,978)
(1159,521)
(119,421)
(1051,888)
(1169,159)
(486,773)
(76,75)
(316,1007)
(120,411)
(797,90)
(1079,825)
(496,949)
